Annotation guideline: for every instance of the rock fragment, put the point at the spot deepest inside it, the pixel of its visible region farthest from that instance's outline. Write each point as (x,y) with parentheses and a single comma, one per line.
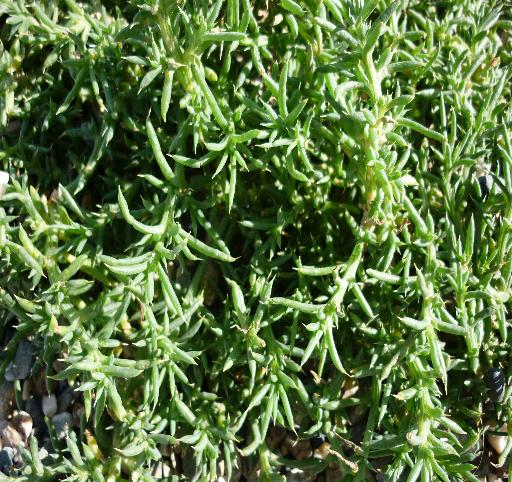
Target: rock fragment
(66,399)
(7,400)
(6,459)
(33,408)
(49,405)
(43,453)
(300,449)
(78,410)
(62,424)
(19,368)
(27,390)
(9,436)
(498,442)
(161,470)
(22,422)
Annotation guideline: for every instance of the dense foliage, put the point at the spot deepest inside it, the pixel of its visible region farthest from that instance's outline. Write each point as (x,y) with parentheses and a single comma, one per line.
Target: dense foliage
(226,216)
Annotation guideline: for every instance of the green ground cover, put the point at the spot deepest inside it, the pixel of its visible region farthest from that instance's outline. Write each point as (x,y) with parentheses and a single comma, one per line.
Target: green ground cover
(225,219)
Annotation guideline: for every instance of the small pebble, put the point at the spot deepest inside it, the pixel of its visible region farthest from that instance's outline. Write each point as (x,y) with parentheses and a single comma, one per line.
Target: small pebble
(165,450)
(18,460)
(275,437)
(300,449)
(49,405)
(65,399)
(277,19)
(498,442)
(496,383)
(161,470)
(22,422)
(9,435)
(317,441)
(173,460)
(189,466)
(62,424)
(39,380)
(19,369)
(323,451)
(357,413)
(485,184)
(6,459)
(58,365)
(333,475)
(61,386)
(220,468)
(33,408)
(27,390)
(78,410)
(369,476)
(350,388)
(43,453)
(297,475)
(7,400)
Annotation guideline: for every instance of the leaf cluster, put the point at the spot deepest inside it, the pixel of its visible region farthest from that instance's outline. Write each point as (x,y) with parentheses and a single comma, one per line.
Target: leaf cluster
(224,216)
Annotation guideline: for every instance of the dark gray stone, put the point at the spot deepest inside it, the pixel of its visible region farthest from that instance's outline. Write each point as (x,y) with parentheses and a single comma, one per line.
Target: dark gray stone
(18,460)
(66,399)
(317,441)
(496,383)
(485,184)
(7,400)
(62,423)
(46,449)
(6,459)
(33,408)
(189,466)
(20,367)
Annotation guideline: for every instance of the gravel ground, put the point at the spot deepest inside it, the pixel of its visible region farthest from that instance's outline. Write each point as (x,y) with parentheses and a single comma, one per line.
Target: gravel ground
(31,404)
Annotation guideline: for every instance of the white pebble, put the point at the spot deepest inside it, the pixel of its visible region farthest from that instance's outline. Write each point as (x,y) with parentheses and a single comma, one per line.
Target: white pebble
(50,405)
(43,453)
(22,422)
(10,437)
(498,442)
